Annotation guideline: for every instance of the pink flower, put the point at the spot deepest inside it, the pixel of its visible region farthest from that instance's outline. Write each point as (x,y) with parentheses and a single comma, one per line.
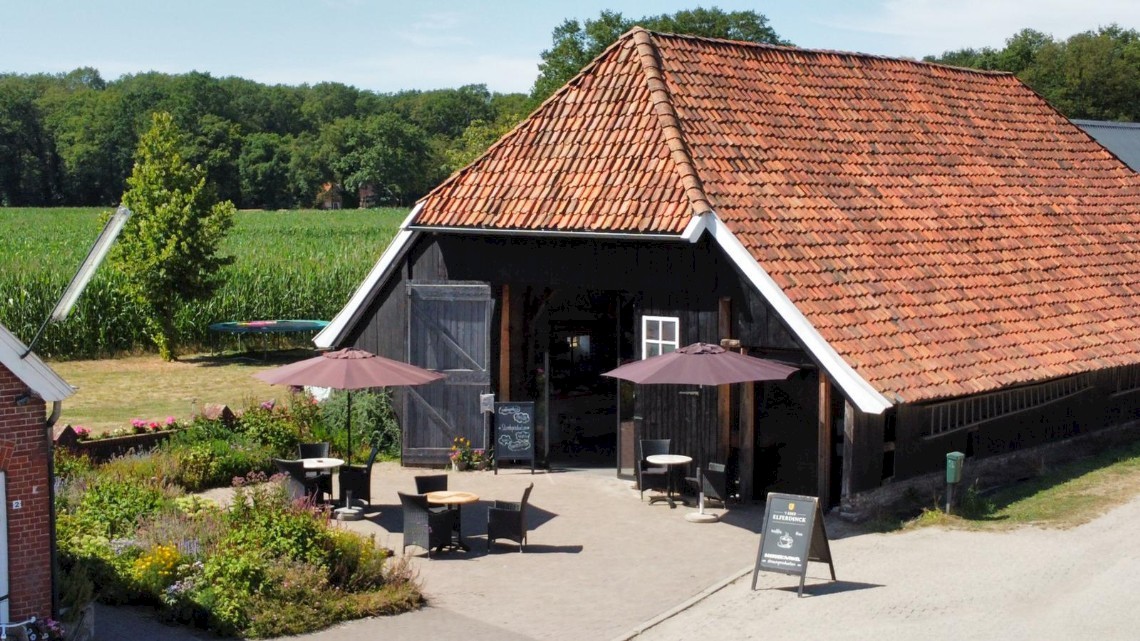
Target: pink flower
(82,432)
(170,420)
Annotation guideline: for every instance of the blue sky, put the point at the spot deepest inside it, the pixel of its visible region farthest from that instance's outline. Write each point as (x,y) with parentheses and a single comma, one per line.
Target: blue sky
(427,44)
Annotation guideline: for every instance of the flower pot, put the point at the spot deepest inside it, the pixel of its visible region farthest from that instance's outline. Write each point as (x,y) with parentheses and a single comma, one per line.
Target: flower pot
(459,466)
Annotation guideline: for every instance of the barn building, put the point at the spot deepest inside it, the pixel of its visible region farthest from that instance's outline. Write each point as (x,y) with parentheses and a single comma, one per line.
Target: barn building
(952,263)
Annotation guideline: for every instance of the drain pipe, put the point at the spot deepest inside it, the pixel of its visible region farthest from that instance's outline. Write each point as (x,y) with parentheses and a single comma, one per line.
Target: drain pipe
(56,408)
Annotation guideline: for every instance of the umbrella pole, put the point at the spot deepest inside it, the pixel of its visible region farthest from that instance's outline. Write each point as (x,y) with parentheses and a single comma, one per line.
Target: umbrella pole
(348,427)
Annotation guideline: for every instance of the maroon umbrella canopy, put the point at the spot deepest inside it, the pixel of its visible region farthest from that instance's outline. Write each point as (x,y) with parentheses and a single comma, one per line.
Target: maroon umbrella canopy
(349,369)
(702,364)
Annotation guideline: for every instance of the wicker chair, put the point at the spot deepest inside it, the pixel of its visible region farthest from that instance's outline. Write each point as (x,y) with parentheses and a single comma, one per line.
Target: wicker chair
(323,477)
(431,483)
(423,527)
(507,520)
(712,482)
(649,476)
(300,484)
(357,479)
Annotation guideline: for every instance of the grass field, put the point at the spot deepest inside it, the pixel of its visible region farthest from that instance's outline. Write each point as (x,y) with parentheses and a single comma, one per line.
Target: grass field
(287,264)
(112,392)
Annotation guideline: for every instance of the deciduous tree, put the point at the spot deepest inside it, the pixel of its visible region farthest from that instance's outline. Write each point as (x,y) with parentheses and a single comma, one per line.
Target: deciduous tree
(168,250)
(576,44)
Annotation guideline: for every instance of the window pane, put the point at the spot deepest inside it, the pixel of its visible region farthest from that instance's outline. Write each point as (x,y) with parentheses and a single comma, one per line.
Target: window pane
(652,349)
(667,347)
(669,331)
(652,330)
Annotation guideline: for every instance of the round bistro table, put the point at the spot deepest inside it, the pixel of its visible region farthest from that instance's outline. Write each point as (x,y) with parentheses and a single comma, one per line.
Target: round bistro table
(454,501)
(670,461)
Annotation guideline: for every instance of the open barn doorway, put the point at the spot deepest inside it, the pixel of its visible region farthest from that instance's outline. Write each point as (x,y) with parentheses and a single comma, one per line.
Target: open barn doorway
(586,338)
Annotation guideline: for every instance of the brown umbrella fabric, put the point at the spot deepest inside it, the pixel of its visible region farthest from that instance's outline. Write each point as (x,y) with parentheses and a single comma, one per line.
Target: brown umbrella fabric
(349,369)
(701,364)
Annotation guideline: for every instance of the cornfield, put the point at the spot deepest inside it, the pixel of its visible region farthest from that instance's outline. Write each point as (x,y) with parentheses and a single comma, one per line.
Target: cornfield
(287,264)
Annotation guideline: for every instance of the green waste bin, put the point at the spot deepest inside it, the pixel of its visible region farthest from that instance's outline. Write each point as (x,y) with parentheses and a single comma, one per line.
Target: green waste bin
(954,462)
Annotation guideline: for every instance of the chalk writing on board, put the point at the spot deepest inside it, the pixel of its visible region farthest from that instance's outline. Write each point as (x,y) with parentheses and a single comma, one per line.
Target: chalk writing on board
(514,432)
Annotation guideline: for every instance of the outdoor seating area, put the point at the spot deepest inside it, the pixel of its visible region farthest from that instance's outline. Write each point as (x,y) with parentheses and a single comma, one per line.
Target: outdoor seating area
(553,518)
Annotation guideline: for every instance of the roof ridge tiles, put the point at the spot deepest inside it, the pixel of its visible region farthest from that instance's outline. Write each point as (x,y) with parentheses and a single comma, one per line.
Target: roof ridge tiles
(670,122)
(821,53)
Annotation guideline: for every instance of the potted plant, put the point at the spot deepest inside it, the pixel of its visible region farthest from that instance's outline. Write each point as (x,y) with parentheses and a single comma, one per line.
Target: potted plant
(462,456)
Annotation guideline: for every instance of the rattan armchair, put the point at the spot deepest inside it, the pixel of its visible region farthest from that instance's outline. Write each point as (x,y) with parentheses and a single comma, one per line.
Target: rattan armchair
(323,477)
(431,483)
(507,520)
(300,485)
(423,527)
(711,482)
(357,480)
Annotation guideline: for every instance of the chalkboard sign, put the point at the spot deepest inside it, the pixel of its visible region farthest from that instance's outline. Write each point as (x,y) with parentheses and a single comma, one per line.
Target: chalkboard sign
(793,535)
(514,433)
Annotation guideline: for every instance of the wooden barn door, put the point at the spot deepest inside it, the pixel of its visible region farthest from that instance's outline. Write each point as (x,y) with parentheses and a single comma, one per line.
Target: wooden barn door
(449,330)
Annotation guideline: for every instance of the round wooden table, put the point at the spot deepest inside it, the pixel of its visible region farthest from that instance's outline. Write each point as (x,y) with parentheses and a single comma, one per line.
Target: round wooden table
(454,501)
(670,461)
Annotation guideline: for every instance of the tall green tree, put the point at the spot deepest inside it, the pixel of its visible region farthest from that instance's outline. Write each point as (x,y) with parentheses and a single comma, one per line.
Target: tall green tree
(168,250)
(387,155)
(576,44)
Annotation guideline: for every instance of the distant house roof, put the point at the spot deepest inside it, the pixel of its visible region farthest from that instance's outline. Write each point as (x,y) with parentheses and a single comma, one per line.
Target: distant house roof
(40,379)
(938,231)
(1121,138)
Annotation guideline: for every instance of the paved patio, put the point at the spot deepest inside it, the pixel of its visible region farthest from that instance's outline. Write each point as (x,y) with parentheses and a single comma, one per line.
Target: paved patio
(602,565)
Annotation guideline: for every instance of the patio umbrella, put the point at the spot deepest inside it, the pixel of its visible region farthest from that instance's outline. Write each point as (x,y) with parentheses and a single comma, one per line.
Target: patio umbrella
(701,364)
(349,369)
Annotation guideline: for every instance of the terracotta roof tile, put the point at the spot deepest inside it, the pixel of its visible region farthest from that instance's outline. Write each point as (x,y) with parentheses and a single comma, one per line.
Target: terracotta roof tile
(946,230)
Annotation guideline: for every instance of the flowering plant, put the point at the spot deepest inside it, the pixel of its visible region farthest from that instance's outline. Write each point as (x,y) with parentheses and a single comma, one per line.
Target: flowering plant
(461,452)
(45,630)
(139,426)
(82,433)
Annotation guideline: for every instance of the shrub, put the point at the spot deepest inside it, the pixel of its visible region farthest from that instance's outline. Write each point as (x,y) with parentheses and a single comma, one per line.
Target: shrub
(114,504)
(69,464)
(267,425)
(373,422)
(263,517)
(355,563)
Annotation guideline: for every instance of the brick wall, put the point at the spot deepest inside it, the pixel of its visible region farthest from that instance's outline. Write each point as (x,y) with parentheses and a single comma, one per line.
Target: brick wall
(24,456)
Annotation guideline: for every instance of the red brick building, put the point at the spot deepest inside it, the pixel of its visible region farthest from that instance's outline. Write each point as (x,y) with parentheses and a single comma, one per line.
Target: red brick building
(27,385)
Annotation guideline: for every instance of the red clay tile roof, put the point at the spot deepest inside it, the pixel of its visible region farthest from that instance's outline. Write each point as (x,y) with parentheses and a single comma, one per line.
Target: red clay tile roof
(945,230)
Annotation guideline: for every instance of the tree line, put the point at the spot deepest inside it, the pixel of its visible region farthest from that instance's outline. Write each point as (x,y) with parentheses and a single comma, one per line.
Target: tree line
(69,139)
(1093,74)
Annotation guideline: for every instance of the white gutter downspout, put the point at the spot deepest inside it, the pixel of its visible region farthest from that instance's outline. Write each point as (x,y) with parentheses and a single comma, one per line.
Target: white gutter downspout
(331,334)
(861,393)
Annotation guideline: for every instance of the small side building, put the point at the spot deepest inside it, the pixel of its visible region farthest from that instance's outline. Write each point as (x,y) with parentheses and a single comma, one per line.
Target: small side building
(27,539)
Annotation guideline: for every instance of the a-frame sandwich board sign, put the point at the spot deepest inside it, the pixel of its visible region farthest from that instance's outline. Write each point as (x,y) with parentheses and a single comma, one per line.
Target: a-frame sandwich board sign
(793,535)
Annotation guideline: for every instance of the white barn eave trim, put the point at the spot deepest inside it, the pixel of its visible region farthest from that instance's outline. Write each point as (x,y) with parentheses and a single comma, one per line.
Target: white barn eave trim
(854,386)
(334,332)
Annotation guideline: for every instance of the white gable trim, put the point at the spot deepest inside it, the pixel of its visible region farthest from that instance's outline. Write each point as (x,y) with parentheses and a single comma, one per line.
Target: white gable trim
(41,379)
(865,397)
(334,332)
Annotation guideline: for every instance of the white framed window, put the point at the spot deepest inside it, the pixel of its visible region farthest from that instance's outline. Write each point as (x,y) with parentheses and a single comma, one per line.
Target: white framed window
(659,335)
